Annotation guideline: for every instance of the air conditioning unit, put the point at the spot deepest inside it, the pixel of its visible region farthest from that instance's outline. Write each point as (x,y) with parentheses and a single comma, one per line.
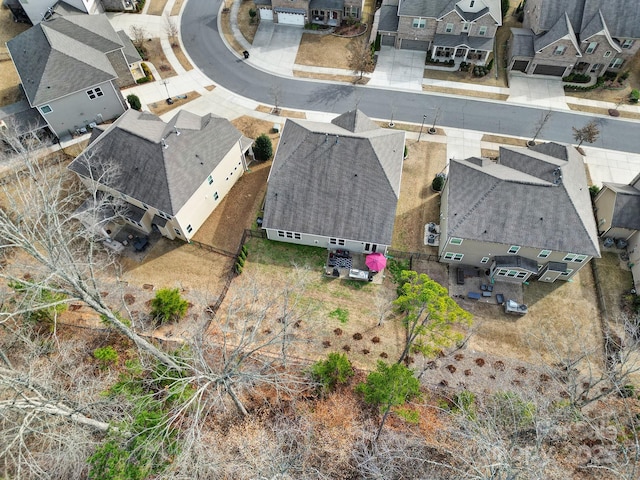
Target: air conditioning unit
(92,125)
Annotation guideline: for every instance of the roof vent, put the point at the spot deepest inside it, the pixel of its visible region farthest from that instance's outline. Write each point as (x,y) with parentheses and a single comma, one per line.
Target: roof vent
(337,138)
(164,144)
(177,131)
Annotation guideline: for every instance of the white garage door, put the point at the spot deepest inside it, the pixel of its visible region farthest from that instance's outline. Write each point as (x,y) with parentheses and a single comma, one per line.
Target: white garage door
(266,14)
(291,18)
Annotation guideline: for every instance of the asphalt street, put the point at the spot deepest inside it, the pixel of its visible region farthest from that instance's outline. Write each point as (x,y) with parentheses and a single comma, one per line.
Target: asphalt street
(203,42)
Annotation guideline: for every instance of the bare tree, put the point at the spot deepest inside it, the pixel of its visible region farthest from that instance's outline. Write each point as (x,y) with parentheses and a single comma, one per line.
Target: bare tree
(138,35)
(539,126)
(360,57)
(589,133)
(276,93)
(171,28)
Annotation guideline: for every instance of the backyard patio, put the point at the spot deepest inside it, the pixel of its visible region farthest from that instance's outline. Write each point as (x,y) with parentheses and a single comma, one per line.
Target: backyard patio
(347,265)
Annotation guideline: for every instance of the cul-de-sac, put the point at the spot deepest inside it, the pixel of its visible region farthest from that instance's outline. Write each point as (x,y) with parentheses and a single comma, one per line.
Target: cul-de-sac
(319,239)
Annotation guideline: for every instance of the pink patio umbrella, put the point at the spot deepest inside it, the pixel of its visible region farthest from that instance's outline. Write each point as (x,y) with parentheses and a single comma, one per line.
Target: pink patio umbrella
(376,262)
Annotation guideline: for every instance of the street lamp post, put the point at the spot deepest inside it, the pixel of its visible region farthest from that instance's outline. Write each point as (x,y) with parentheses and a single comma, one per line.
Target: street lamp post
(424,117)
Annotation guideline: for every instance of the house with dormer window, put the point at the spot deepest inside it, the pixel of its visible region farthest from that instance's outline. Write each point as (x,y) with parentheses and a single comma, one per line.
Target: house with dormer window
(461,30)
(585,36)
(525,216)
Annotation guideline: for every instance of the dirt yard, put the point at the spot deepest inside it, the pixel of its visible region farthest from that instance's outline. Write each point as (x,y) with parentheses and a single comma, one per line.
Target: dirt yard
(615,280)
(156,7)
(163,107)
(324,51)
(10,91)
(247,25)
(418,203)
(156,56)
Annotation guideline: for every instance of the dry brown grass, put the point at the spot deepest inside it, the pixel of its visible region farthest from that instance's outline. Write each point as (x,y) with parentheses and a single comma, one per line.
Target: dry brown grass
(163,107)
(488,153)
(182,58)
(175,10)
(228,34)
(465,92)
(9,28)
(283,112)
(418,203)
(253,127)
(156,7)
(355,79)
(156,56)
(10,91)
(504,140)
(601,111)
(324,51)
(210,88)
(409,127)
(615,279)
(247,29)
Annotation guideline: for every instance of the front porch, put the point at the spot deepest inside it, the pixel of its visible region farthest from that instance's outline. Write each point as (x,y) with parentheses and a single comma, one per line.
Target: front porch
(326,17)
(459,54)
(346,265)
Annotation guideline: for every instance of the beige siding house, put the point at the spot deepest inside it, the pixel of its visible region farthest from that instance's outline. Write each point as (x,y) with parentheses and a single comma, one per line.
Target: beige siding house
(448,30)
(585,36)
(301,12)
(526,216)
(171,175)
(335,185)
(72,68)
(618,216)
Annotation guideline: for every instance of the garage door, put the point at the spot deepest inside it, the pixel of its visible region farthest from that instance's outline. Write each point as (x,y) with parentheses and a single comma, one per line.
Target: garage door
(266,14)
(549,70)
(388,40)
(520,65)
(291,18)
(414,45)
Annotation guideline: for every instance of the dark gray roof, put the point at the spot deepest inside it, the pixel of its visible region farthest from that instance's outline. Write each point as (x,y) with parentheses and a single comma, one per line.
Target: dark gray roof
(164,178)
(557,266)
(534,197)
(64,55)
(477,43)
(326,4)
(21,117)
(522,42)
(159,221)
(439,8)
(299,11)
(334,181)
(263,2)
(130,52)
(388,18)
(559,29)
(134,213)
(506,261)
(626,210)
(622,17)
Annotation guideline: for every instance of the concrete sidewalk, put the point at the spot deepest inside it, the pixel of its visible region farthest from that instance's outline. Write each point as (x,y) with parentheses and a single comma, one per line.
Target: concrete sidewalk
(604,165)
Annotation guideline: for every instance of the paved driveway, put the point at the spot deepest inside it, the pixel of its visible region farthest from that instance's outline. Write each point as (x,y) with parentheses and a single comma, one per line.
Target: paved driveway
(275,47)
(543,92)
(401,68)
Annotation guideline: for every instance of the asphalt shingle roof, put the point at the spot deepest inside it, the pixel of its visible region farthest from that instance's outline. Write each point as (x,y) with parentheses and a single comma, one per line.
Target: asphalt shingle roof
(626,210)
(522,42)
(534,197)
(388,18)
(439,8)
(463,40)
(340,179)
(64,55)
(164,178)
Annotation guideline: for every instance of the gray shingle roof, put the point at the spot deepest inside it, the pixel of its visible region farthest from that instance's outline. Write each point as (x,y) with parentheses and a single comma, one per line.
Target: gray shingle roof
(388,18)
(164,178)
(626,210)
(517,261)
(477,43)
(64,55)
(560,29)
(534,197)
(130,52)
(439,8)
(326,4)
(522,42)
(334,181)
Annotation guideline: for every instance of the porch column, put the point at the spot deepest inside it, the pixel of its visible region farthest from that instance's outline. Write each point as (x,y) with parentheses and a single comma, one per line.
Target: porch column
(455,50)
(486,55)
(433,52)
(466,55)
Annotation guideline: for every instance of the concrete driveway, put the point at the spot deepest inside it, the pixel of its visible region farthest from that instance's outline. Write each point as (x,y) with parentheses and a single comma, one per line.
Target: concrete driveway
(540,91)
(275,47)
(399,68)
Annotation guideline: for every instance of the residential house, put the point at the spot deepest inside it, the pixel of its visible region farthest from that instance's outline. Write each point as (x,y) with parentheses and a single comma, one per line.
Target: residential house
(72,68)
(36,11)
(302,12)
(586,36)
(335,185)
(461,30)
(618,215)
(526,216)
(171,175)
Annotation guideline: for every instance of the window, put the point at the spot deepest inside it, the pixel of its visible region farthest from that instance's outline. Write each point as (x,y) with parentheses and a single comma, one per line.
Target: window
(453,256)
(503,272)
(591,48)
(351,11)
(336,241)
(215,196)
(482,31)
(559,50)
(178,232)
(289,235)
(449,28)
(567,273)
(465,26)
(574,257)
(280,233)
(95,93)
(484,260)
(617,63)
(46,109)
(419,23)
(627,43)
(189,228)
(210,179)
(544,253)
(513,249)
(455,241)
(607,54)
(595,67)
